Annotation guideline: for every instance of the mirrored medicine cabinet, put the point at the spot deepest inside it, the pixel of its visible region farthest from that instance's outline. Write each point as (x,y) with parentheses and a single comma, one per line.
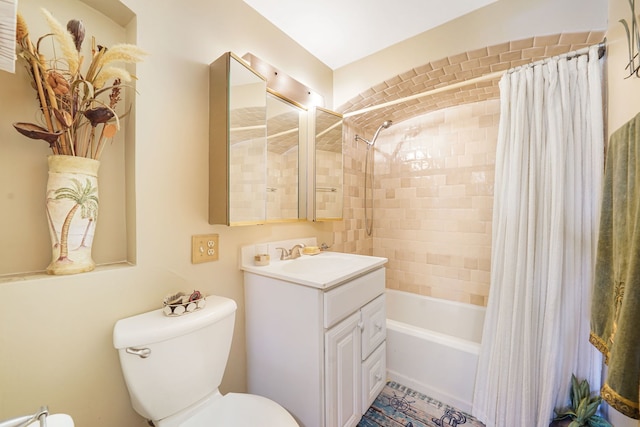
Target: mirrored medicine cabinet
(237,143)
(326,202)
(270,159)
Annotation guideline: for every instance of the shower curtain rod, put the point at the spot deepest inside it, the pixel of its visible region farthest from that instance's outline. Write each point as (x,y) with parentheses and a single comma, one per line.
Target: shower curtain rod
(569,55)
(490,76)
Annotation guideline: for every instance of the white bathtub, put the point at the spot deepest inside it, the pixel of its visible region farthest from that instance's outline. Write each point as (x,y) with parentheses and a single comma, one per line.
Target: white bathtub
(433,346)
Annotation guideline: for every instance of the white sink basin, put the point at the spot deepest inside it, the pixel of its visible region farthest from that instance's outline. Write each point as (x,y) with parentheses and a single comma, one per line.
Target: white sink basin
(324,270)
(323,264)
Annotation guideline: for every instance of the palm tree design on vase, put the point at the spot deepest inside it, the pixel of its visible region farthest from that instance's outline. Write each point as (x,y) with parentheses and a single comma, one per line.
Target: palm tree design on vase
(85,198)
(52,226)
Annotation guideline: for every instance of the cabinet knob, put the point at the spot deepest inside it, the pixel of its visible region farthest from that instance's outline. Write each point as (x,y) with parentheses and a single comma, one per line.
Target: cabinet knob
(361,325)
(379,326)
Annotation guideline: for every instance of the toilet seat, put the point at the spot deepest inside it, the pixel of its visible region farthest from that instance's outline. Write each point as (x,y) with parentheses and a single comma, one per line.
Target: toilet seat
(241,410)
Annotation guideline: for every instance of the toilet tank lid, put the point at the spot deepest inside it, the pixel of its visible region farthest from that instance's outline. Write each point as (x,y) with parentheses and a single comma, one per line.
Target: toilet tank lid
(154,326)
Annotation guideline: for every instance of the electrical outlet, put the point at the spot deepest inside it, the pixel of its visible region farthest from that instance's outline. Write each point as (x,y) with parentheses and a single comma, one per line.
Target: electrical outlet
(204,248)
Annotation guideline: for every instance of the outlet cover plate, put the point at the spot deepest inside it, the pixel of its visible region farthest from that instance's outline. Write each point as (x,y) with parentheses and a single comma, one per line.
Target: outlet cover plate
(204,248)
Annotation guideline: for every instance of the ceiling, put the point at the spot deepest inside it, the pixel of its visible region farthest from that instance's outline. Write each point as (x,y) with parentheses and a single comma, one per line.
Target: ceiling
(339,32)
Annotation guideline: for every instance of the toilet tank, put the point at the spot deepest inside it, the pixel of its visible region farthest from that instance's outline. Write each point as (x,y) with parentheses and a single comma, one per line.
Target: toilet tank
(187,356)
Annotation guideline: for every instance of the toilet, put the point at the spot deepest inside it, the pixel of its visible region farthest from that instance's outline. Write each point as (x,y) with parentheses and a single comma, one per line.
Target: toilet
(173,366)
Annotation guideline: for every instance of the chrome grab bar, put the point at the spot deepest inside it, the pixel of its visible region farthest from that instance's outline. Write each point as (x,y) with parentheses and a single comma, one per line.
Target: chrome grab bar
(25,420)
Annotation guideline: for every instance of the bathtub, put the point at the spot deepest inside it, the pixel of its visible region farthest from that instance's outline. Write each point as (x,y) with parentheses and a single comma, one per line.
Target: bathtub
(433,346)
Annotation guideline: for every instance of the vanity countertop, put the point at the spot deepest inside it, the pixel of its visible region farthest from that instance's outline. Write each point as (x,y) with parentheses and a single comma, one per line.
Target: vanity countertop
(324,270)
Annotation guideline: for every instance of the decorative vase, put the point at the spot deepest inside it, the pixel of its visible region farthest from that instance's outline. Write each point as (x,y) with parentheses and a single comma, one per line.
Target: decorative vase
(72,211)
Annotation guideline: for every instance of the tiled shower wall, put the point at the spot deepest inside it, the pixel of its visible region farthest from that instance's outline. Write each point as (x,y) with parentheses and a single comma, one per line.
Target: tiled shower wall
(435,169)
(433,201)
(349,235)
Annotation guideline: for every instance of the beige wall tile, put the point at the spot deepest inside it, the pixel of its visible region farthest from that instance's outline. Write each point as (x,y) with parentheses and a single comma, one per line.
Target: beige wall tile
(434,172)
(433,201)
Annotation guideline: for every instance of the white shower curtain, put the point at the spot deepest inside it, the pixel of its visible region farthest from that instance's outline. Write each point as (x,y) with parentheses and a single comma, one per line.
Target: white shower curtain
(549,166)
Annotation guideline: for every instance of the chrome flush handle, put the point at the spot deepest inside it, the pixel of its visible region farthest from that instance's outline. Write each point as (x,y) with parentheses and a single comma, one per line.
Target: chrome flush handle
(143,353)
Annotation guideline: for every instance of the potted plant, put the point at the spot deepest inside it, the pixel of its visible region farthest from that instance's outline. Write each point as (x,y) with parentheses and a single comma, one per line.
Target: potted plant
(583,408)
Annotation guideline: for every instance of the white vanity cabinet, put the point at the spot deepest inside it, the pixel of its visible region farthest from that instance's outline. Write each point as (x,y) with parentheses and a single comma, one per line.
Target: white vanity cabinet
(318,352)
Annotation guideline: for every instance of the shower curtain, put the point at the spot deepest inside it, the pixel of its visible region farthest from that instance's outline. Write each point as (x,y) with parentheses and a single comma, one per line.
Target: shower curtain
(549,166)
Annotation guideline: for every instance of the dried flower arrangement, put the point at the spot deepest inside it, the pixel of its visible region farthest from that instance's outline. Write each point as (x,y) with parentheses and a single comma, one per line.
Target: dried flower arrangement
(77,121)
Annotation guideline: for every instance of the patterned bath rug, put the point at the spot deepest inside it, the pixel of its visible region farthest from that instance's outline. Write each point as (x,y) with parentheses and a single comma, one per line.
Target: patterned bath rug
(400,406)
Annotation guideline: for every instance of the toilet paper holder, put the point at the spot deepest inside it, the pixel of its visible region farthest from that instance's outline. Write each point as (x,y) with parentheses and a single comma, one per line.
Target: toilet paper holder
(24,420)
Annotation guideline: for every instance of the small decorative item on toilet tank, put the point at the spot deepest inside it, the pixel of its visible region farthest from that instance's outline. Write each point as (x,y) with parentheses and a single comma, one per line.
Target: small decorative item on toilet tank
(181,303)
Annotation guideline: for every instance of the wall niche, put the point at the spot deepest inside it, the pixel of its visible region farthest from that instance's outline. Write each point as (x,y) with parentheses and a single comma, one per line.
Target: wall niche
(26,245)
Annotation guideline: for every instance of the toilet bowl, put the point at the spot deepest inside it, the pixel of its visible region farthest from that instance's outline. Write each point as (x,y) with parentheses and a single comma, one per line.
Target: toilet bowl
(233,410)
(173,366)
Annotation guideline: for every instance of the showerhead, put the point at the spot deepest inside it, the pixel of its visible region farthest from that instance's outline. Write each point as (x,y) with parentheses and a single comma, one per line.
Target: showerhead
(384,125)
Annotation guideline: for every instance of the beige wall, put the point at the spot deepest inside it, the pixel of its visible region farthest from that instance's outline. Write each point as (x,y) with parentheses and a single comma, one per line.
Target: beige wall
(56,332)
(623,104)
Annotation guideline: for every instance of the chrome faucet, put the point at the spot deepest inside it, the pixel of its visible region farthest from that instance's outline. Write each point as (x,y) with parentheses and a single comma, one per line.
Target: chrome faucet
(293,253)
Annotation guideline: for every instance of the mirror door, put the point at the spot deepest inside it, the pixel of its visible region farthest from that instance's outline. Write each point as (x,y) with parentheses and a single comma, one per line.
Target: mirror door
(238,140)
(286,133)
(328,166)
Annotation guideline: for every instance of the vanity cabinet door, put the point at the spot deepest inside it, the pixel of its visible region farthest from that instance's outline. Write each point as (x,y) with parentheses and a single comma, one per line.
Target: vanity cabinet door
(374,325)
(343,373)
(374,372)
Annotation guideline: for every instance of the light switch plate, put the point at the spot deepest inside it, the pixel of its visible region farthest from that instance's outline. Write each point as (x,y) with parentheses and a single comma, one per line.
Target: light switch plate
(204,248)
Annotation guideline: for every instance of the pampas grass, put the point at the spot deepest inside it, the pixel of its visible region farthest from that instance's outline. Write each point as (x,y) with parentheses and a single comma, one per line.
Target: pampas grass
(65,41)
(110,74)
(127,53)
(22,30)
(78,121)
